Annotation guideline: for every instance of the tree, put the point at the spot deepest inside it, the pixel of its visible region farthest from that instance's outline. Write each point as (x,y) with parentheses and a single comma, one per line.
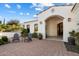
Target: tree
(0,22)
(14,25)
(11,22)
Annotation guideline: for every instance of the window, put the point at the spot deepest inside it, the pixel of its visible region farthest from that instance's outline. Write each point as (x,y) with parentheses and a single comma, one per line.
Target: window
(28,26)
(35,27)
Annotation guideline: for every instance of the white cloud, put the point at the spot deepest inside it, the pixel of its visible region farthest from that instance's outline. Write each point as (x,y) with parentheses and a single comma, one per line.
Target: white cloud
(12,11)
(27,13)
(18,6)
(24,14)
(40,9)
(34,4)
(7,6)
(40,6)
(48,4)
(34,15)
(21,13)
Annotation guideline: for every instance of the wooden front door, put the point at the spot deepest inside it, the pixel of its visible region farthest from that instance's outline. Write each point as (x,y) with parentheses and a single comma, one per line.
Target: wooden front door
(60,29)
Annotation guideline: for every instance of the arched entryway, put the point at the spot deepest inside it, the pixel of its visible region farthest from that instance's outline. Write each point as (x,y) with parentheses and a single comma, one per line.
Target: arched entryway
(54,26)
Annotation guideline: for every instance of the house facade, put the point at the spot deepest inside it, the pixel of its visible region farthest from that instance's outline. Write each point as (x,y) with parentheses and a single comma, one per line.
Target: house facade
(75,11)
(54,22)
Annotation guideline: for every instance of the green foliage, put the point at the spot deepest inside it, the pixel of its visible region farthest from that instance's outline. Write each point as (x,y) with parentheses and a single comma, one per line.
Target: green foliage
(11,22)
(1,42)
(77,38)
(24,32)
(35,35)
(4,38)
(40,36)
(75,35)
(11,26)
(72,34)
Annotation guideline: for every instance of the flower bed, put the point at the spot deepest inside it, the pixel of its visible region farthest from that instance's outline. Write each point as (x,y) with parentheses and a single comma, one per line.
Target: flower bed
(73,48)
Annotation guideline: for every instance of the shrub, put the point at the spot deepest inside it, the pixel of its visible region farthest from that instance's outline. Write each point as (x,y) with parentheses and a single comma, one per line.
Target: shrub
(34,35)
(74,36)
(4,38)
(77,38)
(1,42)
(40,36)
(72,33)
(24,33)
(71,39)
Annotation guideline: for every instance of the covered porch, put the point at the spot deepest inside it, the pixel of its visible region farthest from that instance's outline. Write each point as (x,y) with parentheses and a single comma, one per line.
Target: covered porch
(54,27)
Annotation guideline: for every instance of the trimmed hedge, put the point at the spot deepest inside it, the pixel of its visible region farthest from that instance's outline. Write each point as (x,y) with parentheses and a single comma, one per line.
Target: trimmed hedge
(37,35)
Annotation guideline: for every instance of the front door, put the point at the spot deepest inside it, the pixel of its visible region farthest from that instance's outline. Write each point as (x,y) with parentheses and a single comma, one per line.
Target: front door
(60,29)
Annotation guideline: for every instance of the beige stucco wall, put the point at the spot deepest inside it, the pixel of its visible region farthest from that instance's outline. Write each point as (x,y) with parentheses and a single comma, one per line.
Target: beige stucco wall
(64,11)
(75,13)
(51,26)
(31,23)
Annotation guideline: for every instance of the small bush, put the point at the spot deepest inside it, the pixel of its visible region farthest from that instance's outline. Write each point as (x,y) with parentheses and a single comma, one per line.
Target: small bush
(34,35)
(77,38)
(4,38)
(1,42)
(40,36)
(72,33)
(24,33)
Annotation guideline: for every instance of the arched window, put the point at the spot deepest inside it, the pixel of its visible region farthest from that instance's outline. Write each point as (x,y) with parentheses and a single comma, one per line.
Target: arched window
(27,26)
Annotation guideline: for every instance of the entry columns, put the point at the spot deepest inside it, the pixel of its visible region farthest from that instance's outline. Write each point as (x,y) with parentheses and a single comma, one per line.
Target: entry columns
(42,29)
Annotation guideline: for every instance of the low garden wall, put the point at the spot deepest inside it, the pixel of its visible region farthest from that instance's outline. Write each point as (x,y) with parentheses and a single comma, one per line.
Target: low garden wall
(8,34)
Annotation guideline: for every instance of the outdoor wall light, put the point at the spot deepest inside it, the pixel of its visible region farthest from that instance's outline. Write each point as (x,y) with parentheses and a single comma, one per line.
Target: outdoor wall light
(69,19)
(40,22)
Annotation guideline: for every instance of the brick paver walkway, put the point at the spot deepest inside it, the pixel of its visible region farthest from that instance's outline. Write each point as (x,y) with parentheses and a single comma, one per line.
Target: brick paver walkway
(36,48)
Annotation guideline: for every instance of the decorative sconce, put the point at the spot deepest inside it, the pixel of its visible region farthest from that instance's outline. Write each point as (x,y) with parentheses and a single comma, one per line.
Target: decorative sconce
(40,22)
(69,19)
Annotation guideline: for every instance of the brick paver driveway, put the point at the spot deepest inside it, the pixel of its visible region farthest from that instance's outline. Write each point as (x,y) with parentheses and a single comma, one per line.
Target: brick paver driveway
(36,48)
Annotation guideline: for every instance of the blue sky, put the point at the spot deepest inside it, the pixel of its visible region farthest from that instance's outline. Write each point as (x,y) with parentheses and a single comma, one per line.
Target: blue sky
(23,11)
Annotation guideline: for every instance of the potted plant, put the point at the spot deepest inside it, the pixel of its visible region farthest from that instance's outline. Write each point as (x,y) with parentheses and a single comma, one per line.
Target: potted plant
(35,35)
(40,36)
(71,39)
(24,33)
